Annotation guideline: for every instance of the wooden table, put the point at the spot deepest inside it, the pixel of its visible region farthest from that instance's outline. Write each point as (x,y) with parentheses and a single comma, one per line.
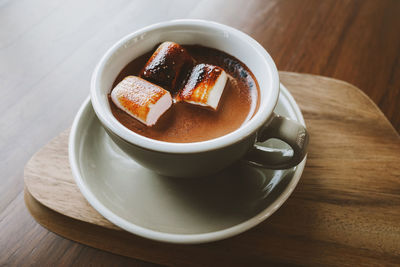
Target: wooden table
(48,50)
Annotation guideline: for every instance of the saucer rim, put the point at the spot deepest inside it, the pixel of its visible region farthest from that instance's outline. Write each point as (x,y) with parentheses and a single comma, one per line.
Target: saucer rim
(173,237)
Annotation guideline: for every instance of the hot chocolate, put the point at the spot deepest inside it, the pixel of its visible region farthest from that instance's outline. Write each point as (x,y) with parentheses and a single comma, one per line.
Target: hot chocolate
(184,123)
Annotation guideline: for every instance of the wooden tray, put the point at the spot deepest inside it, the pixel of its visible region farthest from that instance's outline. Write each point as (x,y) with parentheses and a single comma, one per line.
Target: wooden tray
(345,210)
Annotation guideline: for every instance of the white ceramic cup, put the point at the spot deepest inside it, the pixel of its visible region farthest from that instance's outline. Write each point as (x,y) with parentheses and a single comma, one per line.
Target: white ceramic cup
(206,157)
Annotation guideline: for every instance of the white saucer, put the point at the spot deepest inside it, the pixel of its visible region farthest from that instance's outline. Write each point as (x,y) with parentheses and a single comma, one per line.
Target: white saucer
(176,210)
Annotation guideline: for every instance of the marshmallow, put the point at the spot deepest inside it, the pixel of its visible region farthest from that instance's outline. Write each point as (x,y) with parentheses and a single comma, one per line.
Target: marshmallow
(204,86)
(168,66)
(141,99)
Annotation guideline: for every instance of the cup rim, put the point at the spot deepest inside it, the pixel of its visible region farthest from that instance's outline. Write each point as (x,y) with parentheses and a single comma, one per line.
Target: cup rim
(111,123)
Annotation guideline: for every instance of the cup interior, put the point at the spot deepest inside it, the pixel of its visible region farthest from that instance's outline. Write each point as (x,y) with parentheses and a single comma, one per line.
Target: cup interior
(199,32)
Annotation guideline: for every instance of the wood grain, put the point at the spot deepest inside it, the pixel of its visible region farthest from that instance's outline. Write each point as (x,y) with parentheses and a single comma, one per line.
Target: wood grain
(340,214)
(48,50)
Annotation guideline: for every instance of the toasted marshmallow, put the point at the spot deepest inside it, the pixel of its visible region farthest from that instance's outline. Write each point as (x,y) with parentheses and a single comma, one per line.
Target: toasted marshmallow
(204,87)
(141,99)
(168,66)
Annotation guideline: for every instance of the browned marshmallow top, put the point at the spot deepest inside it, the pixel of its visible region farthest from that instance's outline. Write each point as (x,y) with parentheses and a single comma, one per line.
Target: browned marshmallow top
(137,96)
(168,66)
(200,83)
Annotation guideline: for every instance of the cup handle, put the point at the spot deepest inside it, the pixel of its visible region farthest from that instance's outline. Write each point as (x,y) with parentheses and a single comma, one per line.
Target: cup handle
(287,130)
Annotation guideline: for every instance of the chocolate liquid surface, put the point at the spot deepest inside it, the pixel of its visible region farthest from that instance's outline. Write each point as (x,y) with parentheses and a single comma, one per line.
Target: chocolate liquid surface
(184,123)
